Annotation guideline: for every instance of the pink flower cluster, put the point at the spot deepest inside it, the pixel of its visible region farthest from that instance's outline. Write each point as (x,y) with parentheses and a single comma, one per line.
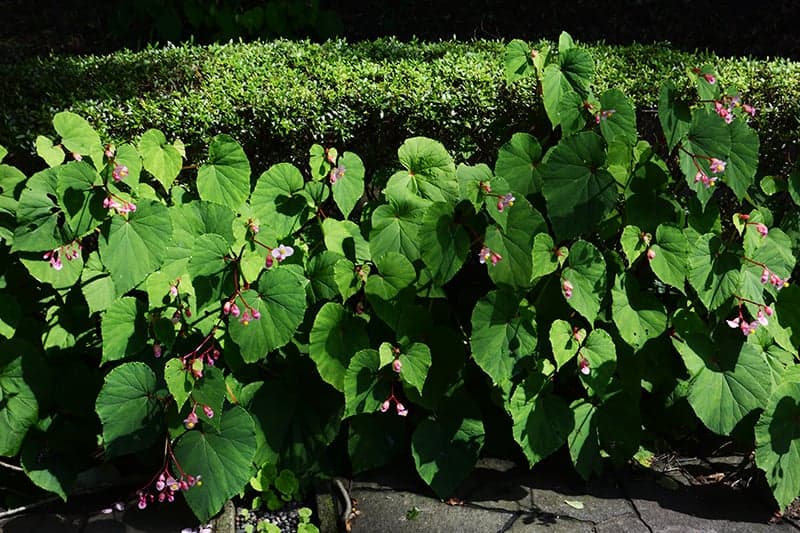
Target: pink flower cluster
(190,422)
(69,251)
(725,107)
(507,200)
(250,313)
(399,407)
(165,487)
(336,174)
(603,115)
(488,256)
(717,166)
(749,327)
(119,172)
(776,281)
(122,208)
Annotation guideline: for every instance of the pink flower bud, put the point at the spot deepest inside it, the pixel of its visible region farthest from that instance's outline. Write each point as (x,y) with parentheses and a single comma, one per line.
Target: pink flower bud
(235,310)
(762,229)
(583,365)
(226,308)
(761,318)
(768,310)
(156,350)
(256,314)
(765,275)
(651,254)
(385,406)
(189,423)
(401,409)
(76,156)
(735,322)
(397,366)
(209,412)
(710,78)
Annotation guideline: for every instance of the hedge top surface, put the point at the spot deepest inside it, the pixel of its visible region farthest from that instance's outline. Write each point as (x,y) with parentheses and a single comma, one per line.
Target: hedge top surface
(281,96)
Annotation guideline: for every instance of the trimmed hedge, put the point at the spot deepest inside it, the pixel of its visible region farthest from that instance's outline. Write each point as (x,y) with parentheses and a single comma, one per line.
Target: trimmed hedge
(278,98)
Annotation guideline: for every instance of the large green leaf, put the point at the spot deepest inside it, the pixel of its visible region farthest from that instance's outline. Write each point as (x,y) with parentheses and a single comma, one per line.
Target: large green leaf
(198,218)
(583,440)
(395,226)
(638,316)
(77,135)
(743,161)
(670,262)
(778,442)
(335,337)
(503,333)
(578,69)
(277,202)
(617,118)
(729,386)
(281,300)
(587,275)
(713,271)
(129,409)
(19,407)
(565,341)
(578,190)
(673,114)
(364,391)
(133,247)
(344,237)
(416,364)
(124,329)
(445,450)
(444,243)
(210,254)
(516,163)
(430,171)
(38,227)
(225,179)
(541,420)
(53,155)
(297,416)
(601,356)
(349,187)
(514,242)
(223,457)
(554,88)
(517,60)
(374,439)
(321,273)
(159,158)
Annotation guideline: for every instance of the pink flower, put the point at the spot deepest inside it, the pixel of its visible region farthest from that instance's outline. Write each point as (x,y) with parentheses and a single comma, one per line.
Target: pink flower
(189,423)
(496,258)
(717,165)
(256,314)
(226,307)
(269,262)
(710,78)
(750,110)
(746,328)
(485,187)
(120,171)
(397,366)
(703,177)
(156,350)
(735,322)
(768,310)
(506,200)
(209,412)
(253,227)
(401,409)
(385,406)
(765,275)
(651,254)
(761,318)
(583,365)
(235,310)
(567,287)
(762,229)
(282,252)
(245,318)
(336,174)
(173,290)
(484,255)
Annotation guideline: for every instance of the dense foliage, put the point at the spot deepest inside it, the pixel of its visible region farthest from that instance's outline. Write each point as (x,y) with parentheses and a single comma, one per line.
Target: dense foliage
(589,288)
(278,98)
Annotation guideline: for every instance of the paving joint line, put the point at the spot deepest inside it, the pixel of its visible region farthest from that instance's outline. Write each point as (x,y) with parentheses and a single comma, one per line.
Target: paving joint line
(511,521)
(627,496)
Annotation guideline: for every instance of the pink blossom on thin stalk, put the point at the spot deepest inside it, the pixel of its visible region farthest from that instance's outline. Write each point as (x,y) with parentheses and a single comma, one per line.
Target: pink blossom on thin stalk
(282,252)
(119,172)
(651,254)
(717,166)
(762,229)
(397,365)
(507,200)
(567,287)
(583,365)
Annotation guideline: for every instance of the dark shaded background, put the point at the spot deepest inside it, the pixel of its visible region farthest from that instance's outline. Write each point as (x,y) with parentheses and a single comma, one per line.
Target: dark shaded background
(762,29)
